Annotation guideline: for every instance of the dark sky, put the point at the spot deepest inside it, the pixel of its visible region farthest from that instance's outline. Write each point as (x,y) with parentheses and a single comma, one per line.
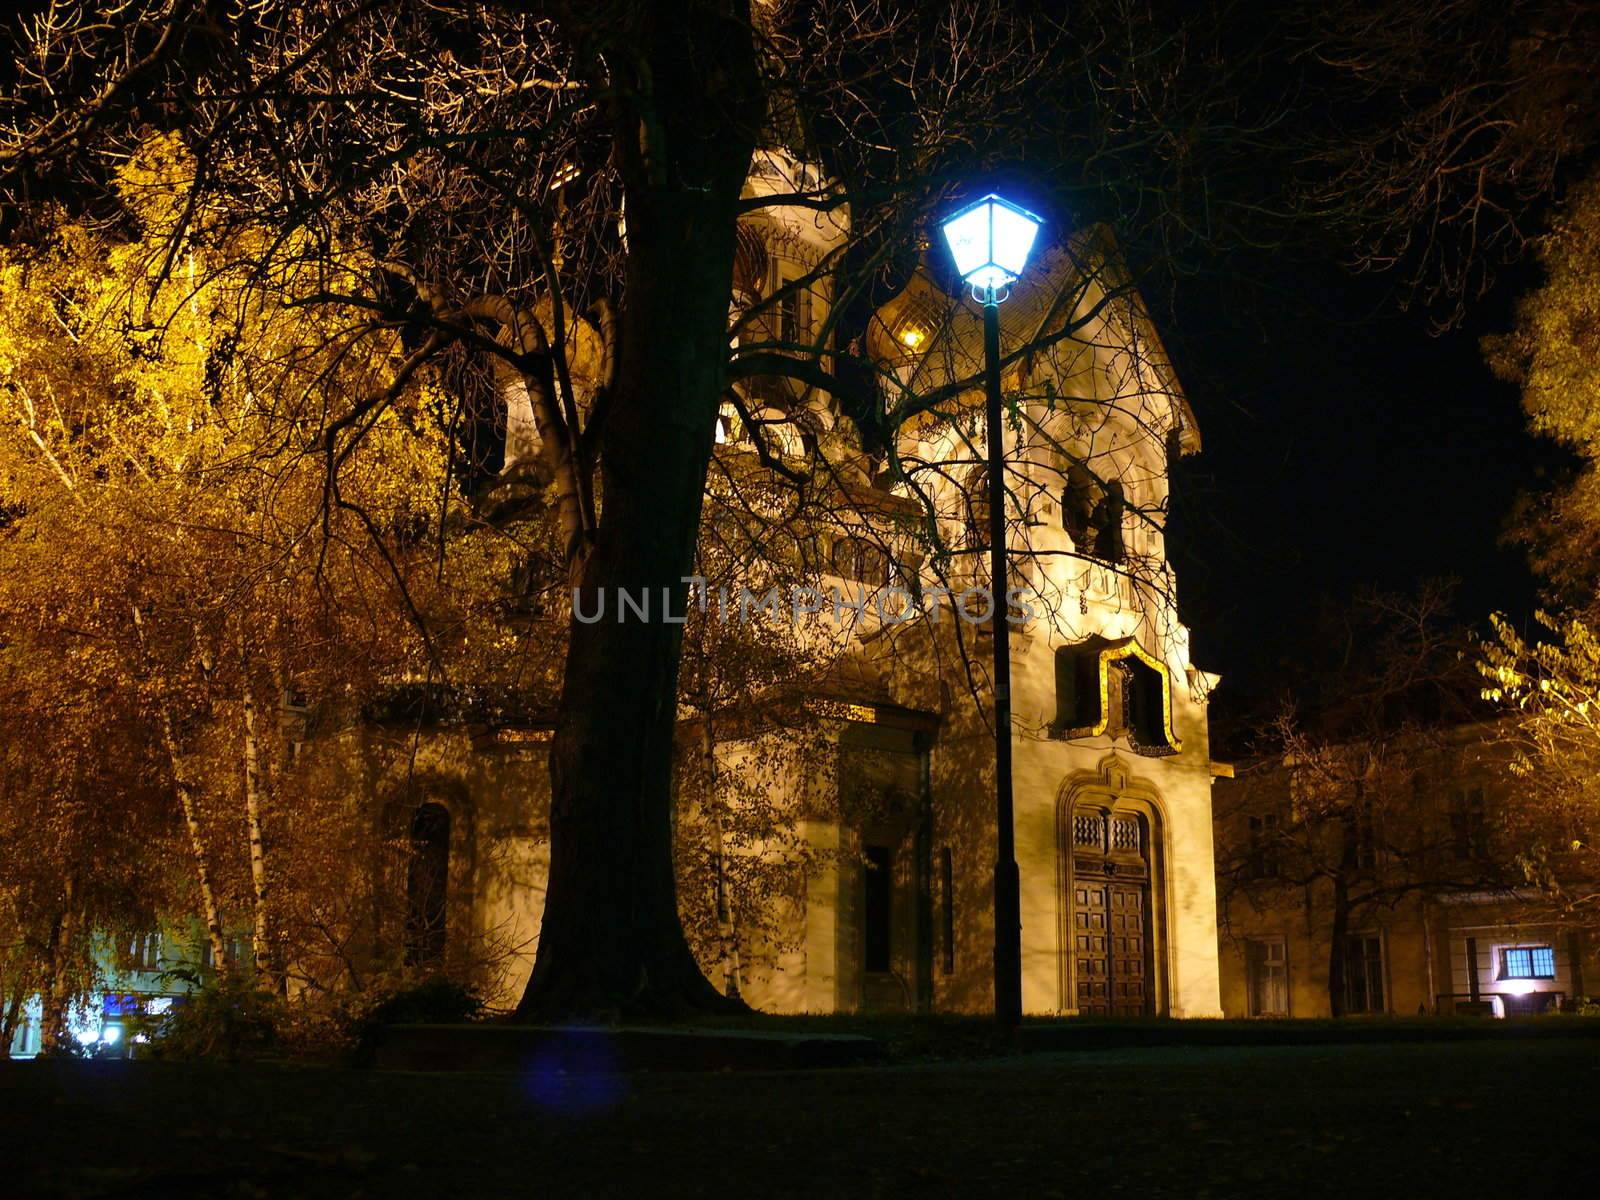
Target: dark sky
(1345,444)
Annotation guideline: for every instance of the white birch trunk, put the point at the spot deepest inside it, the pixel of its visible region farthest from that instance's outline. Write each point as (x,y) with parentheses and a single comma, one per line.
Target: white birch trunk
(197,844)
(261,939)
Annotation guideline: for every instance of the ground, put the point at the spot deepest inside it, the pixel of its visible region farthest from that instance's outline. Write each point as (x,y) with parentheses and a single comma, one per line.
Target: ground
(1487,1117)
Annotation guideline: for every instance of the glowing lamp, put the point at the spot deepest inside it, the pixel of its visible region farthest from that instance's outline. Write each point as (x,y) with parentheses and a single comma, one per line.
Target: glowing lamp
(990,240)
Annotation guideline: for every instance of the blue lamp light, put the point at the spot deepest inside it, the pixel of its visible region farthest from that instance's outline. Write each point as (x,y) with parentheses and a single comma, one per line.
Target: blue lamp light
(990,240)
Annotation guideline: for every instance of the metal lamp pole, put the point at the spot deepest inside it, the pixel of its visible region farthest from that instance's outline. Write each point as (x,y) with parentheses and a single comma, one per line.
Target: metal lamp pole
(989,243)
(1007,884)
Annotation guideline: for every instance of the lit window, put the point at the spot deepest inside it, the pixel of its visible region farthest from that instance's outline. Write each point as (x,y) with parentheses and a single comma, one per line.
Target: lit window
(1528,962)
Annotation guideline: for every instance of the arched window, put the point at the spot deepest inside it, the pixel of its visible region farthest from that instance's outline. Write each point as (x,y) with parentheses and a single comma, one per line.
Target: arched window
(1092,513)
(427,884)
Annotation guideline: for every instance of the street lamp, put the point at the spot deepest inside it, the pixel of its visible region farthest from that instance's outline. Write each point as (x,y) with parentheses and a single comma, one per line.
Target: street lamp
(990,241)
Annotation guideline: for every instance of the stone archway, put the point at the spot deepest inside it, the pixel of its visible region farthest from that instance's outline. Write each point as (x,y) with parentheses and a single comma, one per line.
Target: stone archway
(1112,898)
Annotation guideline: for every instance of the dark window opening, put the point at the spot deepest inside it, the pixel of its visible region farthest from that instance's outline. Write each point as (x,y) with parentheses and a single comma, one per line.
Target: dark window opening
(1108,523)
(1363,974)
(860,560)
(1077,505)
(791,315)
(1128,694)
(1078,687)
(1144,707)
(1469,830)
(144,952)
(427,884)
(877,907)
(977,498)
(1264,861)
(948,898)
(239,949)
(1528,962)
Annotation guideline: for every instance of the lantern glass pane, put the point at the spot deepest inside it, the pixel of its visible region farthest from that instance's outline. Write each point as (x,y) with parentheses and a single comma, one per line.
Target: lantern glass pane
(1013,233)
(968,235)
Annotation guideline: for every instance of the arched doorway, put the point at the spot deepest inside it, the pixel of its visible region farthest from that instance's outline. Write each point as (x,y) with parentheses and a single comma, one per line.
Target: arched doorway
(427,884)
(1111,914)
(1112,910)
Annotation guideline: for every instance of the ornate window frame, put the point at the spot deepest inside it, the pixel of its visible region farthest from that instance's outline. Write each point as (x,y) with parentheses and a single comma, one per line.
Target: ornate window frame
(1119,651)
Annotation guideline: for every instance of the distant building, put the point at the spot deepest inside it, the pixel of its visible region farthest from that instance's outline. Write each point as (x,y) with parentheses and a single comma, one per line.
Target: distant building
(1437,920)
(143,980)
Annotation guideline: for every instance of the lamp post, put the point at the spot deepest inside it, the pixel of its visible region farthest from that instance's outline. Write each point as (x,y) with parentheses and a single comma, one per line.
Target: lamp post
(990,240)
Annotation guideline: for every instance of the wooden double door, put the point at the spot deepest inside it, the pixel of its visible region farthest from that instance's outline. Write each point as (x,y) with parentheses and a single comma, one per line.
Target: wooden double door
(1112,938)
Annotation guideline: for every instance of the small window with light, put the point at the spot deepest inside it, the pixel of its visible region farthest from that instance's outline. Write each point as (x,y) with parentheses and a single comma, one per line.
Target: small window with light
(1528,962)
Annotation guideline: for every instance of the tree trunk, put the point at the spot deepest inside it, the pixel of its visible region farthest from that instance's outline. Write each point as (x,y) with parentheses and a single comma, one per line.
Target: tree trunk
(10,1012)
(191,820)
(197,847)
(261,939)
(612,941)
(56,993)
(727,934)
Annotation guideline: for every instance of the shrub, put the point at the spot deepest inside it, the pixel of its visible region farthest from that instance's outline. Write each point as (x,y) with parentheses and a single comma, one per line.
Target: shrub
(436,1001)
(227,1020)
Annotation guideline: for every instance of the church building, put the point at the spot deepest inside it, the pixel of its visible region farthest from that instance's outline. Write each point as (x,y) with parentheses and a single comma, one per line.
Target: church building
(889,904)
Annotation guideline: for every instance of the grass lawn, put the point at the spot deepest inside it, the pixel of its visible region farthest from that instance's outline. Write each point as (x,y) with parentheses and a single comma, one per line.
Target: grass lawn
(1498,1116)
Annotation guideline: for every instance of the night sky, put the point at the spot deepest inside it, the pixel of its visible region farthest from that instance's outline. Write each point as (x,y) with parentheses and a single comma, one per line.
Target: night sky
(1345,444)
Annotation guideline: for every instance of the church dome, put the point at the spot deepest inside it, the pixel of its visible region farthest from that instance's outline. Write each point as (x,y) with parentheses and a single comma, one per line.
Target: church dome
(907,326)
